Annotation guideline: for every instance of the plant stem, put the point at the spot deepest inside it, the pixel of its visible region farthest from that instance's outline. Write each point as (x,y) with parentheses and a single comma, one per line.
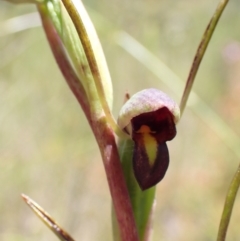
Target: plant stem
(103,134)
(142,201)
(120,197)
(200,52)
(228,206)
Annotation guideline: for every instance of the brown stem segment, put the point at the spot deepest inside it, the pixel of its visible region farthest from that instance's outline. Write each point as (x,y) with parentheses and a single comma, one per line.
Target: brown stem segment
(116,181)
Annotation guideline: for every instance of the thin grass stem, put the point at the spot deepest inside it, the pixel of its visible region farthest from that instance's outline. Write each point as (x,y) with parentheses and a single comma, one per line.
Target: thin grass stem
(200,53)
(47,219)
(228,206)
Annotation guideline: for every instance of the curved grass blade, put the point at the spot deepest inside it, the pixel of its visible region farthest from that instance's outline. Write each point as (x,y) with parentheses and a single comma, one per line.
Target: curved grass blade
(19,23)
(200,52)
(47,219)
(228,206)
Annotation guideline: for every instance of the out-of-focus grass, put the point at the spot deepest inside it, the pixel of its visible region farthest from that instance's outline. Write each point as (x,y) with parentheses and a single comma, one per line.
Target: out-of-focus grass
(48,152)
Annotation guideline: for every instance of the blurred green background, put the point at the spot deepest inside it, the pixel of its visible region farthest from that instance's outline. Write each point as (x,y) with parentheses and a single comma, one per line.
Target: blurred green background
(48,152)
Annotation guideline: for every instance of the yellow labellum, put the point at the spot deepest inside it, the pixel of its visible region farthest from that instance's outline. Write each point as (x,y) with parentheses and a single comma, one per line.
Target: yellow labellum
(150,143)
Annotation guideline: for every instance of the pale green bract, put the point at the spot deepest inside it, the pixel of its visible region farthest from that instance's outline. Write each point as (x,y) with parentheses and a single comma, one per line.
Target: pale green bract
(75,51)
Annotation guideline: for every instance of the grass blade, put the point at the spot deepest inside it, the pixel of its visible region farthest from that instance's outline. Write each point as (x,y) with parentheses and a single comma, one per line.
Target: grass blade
(47,219)
(228,206)
(200,52)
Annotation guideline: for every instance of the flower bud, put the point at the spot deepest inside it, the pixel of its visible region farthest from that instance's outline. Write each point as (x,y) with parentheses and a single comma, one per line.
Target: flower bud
(149,117)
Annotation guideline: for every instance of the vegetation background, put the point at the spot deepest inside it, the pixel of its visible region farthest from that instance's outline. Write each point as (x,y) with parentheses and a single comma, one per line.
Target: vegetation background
(48,152)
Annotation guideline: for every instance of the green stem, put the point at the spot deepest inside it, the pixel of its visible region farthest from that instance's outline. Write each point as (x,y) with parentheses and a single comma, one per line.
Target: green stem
(142,201)
(228,206)
(120,197)
(200,52)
